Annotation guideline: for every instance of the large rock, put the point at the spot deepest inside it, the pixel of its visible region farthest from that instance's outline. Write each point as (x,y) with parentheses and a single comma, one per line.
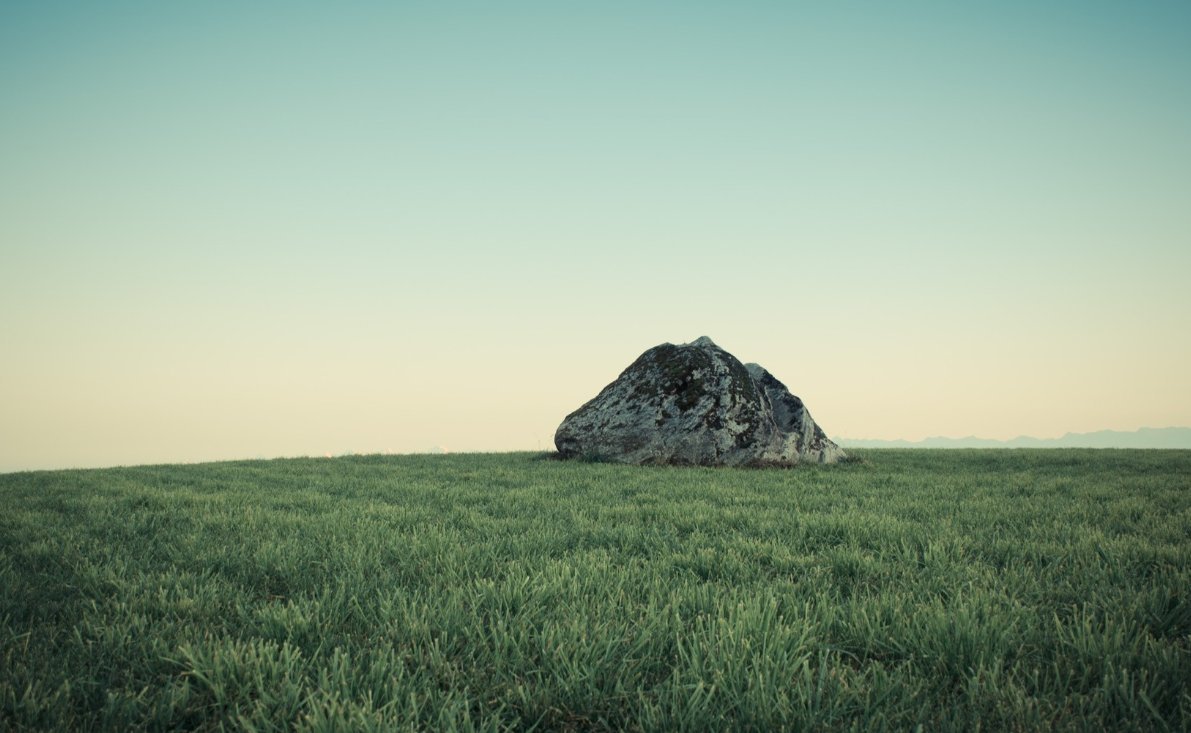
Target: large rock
(695,404)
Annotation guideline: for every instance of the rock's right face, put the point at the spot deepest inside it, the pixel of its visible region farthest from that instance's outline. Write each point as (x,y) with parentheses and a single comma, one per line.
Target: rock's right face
(694,404)
(803,435)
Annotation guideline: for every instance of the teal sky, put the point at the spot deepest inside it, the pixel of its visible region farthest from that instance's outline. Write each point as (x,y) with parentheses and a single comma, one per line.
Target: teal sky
(317,228)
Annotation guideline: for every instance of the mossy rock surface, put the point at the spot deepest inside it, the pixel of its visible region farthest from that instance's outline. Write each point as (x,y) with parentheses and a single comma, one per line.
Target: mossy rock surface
(695,404)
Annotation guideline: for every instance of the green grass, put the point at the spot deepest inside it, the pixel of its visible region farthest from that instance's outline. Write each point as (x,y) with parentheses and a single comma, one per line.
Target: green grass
(962,590)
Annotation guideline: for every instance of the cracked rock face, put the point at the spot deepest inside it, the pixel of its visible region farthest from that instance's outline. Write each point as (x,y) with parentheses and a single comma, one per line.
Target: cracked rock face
(695,404)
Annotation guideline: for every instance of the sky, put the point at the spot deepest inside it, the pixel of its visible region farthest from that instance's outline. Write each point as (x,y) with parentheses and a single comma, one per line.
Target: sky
(238,230)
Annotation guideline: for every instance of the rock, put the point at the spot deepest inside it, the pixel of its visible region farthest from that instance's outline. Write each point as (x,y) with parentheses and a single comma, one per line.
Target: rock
(695,404)
(803,435)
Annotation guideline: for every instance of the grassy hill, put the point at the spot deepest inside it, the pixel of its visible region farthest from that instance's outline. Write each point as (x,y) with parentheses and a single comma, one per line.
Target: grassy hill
(1023,590)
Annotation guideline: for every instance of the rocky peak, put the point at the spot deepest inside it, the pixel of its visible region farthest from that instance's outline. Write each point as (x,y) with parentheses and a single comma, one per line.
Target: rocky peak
(695,404)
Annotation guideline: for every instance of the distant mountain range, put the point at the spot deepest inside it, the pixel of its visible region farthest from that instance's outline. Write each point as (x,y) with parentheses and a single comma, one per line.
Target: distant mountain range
(1144,438)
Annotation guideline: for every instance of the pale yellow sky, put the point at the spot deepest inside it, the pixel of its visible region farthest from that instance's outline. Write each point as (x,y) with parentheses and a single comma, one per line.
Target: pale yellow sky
(225,236)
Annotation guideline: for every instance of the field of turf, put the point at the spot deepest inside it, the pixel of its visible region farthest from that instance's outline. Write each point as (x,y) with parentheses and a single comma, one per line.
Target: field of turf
(952,590)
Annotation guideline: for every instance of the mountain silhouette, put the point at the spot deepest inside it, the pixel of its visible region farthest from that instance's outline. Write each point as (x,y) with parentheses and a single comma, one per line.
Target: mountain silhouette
(1169,438)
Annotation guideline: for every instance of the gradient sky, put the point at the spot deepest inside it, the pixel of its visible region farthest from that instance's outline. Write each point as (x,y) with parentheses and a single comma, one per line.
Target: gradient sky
(235,230)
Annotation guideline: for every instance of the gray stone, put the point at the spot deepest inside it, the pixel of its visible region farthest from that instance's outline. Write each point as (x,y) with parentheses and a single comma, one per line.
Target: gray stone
(695,404)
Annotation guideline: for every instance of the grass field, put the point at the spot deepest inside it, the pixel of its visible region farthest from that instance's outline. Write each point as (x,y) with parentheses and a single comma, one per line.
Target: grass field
(953,590)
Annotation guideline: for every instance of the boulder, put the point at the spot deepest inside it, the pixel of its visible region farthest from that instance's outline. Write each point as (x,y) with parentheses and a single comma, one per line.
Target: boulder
(695,404)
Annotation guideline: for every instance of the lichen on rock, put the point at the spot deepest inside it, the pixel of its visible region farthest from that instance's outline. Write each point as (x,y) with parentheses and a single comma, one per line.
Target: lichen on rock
(695,404)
